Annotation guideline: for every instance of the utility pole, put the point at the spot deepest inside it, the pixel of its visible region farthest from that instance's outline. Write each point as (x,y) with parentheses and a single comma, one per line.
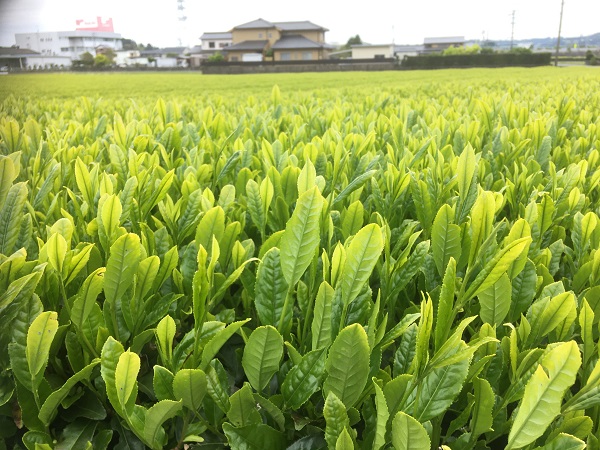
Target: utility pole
(512,30)
(562,4)
(181,17)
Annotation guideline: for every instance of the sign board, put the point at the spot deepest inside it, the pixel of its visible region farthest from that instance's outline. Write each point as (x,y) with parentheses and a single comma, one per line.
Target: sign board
(97,24)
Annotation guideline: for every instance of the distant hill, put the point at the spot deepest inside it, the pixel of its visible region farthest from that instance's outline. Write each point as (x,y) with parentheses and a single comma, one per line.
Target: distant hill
(593,40)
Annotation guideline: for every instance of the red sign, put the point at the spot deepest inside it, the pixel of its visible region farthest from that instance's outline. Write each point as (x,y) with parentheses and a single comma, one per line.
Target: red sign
(95,25)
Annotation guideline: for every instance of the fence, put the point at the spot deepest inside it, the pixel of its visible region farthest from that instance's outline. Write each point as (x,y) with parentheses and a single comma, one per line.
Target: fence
(323,65)
(478,60)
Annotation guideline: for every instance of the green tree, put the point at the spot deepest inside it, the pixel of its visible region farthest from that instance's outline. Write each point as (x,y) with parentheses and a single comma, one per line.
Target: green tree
(129,44)
(217,57)
(354,40)
(87,59)
(522,50)
(470,50)
(110,54)
(101,61)
(589,55)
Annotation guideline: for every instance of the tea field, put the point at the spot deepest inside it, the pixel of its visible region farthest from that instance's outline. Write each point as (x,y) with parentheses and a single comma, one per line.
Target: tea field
(395,260)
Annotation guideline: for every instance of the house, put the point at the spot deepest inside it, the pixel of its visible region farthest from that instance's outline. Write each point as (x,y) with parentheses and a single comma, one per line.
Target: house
(197,56)
(400,51)
(213,42)
(210,44)
(372,51)
(439,44)
(125,58)
(283,41)
(377,51)
(167,57)
(71,44)
(23,58)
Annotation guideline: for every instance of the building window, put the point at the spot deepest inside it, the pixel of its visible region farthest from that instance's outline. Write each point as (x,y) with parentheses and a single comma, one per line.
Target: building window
(270,35)
(222,44)
(234,58)
(64,49)
(260,35)
(307,55)
(211,45)
(285,56)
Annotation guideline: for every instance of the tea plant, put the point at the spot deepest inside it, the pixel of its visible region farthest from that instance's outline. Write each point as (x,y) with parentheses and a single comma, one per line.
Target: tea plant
(403,269)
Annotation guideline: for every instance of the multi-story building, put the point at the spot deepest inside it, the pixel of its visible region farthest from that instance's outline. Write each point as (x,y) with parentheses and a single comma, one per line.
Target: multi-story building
(283,41)
(68,43)
(215,42)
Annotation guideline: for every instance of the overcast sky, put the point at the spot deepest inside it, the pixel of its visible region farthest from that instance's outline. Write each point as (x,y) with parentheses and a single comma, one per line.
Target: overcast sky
(377,21)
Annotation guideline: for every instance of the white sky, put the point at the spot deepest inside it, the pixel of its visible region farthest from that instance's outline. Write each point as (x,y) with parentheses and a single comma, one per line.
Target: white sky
(377,21)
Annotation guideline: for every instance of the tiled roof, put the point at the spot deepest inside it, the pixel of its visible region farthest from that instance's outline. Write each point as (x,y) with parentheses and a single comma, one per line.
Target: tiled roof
(294,41)
(247,46)
(258,23)
(16,51)
(303,25)
(163,51)
(216,35)
(370,45)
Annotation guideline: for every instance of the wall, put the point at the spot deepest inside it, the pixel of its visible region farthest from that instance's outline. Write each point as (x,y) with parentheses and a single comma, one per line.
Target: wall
(372,50)
(231,56)
(313,35)
(401,55)
(218,43)
(45,43)
(165,62)
(252,35)
(124,57)
(296,55)
(66,43)
(47,61)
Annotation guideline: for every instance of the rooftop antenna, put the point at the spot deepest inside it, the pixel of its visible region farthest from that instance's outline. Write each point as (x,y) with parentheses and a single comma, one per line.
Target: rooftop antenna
(181,17)
(512,30)
(562,4)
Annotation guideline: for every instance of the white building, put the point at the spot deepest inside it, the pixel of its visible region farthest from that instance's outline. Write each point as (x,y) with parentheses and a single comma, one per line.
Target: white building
(167,57)
(372,51)
(22,59)
(68,43)
(126,58)
(377,51)
(400,51)
(214,42)
(211,43)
